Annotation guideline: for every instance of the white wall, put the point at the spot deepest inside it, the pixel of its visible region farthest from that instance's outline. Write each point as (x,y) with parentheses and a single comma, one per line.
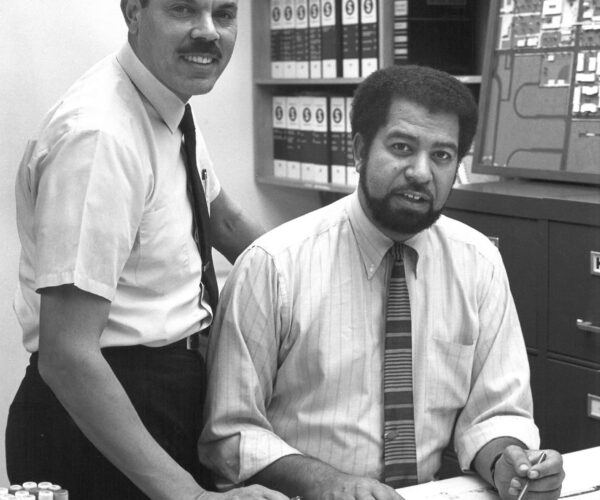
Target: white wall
(44,47)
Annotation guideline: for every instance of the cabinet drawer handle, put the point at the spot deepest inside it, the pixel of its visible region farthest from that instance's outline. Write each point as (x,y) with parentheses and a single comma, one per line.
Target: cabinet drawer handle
(587,326)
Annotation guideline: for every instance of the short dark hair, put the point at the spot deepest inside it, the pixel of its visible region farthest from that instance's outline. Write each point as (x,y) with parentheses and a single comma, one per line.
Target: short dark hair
(435,90)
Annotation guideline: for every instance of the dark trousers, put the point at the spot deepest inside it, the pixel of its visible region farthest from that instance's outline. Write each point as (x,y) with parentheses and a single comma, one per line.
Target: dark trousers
(166,386)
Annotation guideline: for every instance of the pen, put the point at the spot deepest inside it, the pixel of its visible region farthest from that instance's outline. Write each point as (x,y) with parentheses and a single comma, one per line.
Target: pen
(540,459)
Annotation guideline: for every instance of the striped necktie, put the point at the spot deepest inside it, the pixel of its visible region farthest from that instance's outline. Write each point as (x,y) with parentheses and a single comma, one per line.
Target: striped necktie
(400,459)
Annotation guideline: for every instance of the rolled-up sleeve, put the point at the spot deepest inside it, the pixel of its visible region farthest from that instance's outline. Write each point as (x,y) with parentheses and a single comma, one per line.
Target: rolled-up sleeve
(500,402)
(253,315)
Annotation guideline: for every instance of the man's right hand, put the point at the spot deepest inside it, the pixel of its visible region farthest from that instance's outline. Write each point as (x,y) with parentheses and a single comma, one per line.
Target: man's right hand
(312,479)
(347,487)
(253,492)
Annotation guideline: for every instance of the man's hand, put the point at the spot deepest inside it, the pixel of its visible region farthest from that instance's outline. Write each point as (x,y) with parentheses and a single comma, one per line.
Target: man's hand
(347,487)
(254,492)
(516,466)
(312,479)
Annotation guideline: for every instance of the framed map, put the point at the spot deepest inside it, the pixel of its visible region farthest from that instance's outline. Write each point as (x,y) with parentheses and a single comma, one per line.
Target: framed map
(540,97)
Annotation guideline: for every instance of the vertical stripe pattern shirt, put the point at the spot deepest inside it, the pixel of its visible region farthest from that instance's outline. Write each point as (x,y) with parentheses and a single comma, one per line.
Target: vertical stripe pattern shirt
(295,359)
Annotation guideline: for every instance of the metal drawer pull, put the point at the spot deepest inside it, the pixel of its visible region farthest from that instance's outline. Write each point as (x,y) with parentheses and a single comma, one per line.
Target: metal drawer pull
(587,326)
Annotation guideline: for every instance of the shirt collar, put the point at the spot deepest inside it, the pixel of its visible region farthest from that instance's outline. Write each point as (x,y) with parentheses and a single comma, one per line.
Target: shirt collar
(168,106)
(373,244)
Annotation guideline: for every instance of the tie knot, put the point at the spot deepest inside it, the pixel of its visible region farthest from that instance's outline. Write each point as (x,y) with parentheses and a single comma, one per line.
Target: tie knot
(396,251)
(187,122)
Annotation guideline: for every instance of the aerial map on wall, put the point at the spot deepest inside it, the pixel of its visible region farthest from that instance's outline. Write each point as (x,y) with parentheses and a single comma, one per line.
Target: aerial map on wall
(543,108)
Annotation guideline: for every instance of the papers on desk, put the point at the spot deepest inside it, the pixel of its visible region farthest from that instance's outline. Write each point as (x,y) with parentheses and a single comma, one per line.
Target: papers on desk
(582,482)
(456,488)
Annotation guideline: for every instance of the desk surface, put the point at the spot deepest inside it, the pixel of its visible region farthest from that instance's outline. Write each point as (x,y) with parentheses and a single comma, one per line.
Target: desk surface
(582,482)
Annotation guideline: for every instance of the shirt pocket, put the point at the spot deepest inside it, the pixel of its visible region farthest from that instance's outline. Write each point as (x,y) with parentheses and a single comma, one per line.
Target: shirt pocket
(448,379)
(163,253)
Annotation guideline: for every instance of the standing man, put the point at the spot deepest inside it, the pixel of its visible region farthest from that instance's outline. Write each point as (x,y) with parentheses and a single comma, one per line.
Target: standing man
(116,277)
(368,333)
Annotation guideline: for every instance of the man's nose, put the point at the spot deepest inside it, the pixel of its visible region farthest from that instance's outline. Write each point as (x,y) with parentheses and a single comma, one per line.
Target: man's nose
(205,29)
(419,169)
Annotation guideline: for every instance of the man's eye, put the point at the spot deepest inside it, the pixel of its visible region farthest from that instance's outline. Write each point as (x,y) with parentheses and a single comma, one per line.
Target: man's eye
(443,156)
(401,147)
(181,10)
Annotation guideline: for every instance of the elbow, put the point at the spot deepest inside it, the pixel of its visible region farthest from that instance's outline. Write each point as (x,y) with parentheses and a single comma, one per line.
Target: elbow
(53,369)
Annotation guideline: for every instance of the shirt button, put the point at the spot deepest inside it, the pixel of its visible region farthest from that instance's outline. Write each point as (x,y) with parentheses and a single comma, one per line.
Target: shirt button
(391,435)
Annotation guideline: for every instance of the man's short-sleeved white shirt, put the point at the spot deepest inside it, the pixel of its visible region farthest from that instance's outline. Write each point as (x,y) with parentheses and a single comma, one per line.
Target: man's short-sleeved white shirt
(102,204)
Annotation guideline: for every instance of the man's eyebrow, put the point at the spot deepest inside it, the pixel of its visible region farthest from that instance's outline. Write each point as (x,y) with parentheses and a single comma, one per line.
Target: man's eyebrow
(407,136)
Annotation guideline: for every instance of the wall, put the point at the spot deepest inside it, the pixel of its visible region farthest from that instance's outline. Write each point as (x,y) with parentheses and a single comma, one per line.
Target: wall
(44,47)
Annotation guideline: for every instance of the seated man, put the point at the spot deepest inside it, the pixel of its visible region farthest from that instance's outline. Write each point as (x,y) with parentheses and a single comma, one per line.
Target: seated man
(352,343)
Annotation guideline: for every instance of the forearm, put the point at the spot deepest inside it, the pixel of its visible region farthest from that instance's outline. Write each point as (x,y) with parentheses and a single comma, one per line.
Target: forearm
(298,475)
(231,229)
(98,404)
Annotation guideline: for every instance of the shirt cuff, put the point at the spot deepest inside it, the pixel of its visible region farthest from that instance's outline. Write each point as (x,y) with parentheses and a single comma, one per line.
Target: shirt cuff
(475,438)
(258,449)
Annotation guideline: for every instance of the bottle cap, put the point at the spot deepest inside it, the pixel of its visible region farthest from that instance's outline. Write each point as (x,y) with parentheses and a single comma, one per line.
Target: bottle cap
(44,485)
(45,495)
(29,485)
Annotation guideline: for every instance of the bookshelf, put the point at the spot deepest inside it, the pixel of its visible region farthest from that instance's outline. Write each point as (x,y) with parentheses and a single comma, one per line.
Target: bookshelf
(265,87)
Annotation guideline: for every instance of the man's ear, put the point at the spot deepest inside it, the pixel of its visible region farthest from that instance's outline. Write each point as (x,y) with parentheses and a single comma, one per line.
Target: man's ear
(131,10)
(358,147)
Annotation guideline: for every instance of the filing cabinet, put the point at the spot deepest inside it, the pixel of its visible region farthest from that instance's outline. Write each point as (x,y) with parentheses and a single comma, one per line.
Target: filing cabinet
(549,237)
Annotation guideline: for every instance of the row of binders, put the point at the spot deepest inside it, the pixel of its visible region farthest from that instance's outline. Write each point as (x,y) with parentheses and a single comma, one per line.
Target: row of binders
(312,140)
(324,38)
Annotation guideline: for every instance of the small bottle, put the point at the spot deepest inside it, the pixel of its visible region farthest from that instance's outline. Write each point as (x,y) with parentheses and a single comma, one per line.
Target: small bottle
(61,494)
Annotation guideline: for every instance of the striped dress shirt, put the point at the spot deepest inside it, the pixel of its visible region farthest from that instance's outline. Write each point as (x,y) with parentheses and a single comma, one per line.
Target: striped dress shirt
(296,352)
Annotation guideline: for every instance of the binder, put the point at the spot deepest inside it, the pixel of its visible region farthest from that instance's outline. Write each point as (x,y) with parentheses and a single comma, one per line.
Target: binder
(320,146)
(350,39)
(292,104)
(369,37)
(337,136)
(314,39)
(288,39)
(301,54)
(400,44)
(276,39)
(351,173)
(305,136)
(331,37)
(279,137)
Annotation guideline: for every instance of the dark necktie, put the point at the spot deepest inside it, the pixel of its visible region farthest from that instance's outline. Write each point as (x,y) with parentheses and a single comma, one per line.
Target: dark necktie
(201,227)
(400,462)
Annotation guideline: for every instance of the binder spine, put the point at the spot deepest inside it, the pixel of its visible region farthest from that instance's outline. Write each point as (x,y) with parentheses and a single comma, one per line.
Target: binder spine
(276,39)
(305,137)
(314,39)
(351,174)
(337,121)
(293,131)
(301,38)
(350,38)
(400,31)
(288,39)
(320,140)
(331,37)
(279,137)
(369,37)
